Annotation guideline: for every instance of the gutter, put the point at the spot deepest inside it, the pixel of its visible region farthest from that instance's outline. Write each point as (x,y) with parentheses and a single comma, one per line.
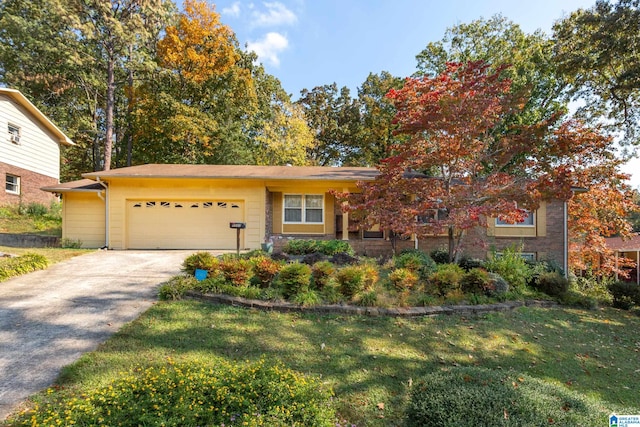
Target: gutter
(105,199)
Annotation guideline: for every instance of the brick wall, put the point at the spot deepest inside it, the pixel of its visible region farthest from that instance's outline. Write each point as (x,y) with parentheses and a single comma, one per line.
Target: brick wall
(30,184)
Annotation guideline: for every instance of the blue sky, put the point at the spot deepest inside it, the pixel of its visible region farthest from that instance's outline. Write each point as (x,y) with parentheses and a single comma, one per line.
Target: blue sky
(308,43)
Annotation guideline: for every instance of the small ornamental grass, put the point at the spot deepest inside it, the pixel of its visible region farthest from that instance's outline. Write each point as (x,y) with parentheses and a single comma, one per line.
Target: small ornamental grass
(471,397)
(194,394)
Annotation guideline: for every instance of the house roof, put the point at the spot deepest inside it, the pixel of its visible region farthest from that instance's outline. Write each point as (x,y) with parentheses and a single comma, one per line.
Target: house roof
(19,98)
(86,185)
(320,173)
(622,245)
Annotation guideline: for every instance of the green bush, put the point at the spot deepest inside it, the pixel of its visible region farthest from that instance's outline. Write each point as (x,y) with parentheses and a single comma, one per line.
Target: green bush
(34,210)
(511,266)
(176,287)
(551,283)
(67,243)
(294,279)
(416,261)
(350,280)
(265,270)
(593,287)
(199,260)
(440,256)
(322,272)
(625,294)
(497,285)
(326,247)
(403,279)
(476,281)
(307,298)
(236,271)
(471,397)
(446,278)
(196,394)
(367,299)
(23,264)
(370,276)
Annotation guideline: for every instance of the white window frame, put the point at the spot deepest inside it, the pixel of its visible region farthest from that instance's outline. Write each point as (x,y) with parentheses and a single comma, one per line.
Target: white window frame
(15,184)
(15,132)
(532,215)
(303,209)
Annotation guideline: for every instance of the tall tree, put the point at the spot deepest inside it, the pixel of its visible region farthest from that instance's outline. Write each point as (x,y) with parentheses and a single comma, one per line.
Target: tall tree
(464,164)
(70,58)
(334,118)
(377,112)
(499,41)
(598,52)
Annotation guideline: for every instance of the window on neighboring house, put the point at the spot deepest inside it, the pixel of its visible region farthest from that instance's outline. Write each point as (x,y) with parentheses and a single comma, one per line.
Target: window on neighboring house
(300,208)
(529,221)
(12,184)
(14,133)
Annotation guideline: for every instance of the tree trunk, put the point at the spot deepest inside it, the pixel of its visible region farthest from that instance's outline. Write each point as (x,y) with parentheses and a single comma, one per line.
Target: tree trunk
(110,106)
(452,244)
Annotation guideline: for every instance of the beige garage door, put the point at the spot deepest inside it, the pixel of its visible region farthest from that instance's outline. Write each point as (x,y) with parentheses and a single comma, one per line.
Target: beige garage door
(171,224)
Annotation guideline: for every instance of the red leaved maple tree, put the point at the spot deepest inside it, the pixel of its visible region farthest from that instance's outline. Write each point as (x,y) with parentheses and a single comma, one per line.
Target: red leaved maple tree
(467,158)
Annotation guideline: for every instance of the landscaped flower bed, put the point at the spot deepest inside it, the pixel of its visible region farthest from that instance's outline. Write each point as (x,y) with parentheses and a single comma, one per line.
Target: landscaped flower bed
(327,272)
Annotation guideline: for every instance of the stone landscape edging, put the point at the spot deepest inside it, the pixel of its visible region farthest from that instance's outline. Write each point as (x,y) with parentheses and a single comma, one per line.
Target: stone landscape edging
(286,307)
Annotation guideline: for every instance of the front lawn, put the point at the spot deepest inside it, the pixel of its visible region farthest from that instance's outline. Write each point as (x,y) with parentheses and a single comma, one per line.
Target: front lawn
(373,364)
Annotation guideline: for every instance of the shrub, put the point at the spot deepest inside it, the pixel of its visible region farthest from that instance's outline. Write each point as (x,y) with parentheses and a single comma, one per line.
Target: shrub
(67,243)
(321,273)
(446,278)
(511,266)
(23,264)
(307,298)
(479,397)
(593,287)
(367,299)
(311,259)
(300,247)
(176,287)
(625,294)
(331,293)
(416,261)
(440,256)
(476,281)
(469,264)
(236,271)
(265,270)
(332,247)
(199,260)
(552,284)
(196,394)
(350,280)
(294,279)
(34,210)
(343,258)
(403,279)
(371,276)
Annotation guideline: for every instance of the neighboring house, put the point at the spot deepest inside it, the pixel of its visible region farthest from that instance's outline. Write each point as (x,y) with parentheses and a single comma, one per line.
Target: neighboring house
(29,150)
(629,249)
(191,207)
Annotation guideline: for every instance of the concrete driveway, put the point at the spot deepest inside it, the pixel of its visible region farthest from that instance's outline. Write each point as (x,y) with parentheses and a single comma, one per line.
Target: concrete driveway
(49,318)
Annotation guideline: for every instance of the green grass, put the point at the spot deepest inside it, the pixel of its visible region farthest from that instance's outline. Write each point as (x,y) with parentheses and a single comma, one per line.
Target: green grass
(54,255)
(31,219)
(371,363)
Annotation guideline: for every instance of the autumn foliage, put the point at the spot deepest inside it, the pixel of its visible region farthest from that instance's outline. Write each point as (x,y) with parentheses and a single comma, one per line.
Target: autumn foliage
(467,159)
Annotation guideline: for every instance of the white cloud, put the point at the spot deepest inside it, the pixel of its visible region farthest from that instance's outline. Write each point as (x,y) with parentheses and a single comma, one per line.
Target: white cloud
(269,47)
(275,15)
(233,10)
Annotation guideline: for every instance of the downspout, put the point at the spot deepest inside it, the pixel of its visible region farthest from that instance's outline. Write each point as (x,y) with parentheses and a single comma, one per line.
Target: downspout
(105,199)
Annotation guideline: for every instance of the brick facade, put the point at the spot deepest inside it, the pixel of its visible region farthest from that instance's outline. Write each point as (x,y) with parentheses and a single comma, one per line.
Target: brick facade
(476,244)
(30,184)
